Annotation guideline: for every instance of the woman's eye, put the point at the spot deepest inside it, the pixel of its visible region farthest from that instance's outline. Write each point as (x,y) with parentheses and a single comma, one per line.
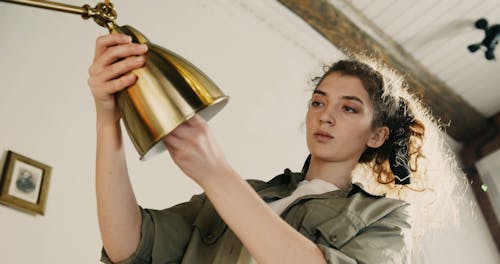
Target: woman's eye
(349,109)
(314,103)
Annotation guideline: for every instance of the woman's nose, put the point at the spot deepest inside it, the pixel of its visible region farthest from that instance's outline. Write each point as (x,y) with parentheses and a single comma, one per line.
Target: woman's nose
(327,117)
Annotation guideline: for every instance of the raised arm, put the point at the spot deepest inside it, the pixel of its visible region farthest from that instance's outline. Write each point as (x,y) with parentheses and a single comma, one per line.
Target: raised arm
(267,237)
(118,213)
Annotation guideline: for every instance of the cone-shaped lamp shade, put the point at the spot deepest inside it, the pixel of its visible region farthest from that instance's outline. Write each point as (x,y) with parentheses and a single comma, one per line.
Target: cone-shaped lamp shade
(169,91)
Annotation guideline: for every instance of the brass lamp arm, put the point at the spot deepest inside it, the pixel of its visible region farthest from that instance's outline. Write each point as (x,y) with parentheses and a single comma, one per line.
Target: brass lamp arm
(103,14)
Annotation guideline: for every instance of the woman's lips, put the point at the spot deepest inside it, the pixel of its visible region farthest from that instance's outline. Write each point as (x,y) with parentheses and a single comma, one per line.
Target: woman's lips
(323,136)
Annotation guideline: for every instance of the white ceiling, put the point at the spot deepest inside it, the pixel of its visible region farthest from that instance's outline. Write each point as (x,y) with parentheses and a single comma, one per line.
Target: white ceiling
(436,33)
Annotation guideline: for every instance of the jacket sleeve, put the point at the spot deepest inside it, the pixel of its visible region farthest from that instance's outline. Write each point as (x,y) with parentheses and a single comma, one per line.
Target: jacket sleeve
(164,233)
(384,241)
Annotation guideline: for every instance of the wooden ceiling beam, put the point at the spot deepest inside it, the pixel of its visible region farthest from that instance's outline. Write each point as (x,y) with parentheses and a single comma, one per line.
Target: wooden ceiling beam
(464,121)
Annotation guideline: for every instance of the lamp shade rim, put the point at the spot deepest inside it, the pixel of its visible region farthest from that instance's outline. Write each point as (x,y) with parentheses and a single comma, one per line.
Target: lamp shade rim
(154,149)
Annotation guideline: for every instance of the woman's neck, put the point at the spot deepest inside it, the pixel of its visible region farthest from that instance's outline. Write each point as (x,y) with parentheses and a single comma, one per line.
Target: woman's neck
(337,173)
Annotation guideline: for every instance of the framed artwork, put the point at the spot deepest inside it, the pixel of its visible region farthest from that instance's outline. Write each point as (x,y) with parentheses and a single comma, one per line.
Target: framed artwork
(24,183)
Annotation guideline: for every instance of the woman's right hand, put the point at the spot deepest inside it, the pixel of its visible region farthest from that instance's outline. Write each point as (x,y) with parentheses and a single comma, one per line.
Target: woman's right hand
(111,71)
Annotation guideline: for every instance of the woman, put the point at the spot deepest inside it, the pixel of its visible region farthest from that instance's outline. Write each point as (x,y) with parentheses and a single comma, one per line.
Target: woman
(355,117)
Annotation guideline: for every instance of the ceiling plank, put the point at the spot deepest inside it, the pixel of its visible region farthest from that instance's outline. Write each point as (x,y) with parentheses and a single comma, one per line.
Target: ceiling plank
(464,121)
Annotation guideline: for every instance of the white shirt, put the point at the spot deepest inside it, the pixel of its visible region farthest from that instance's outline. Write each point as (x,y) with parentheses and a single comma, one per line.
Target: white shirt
(305,187)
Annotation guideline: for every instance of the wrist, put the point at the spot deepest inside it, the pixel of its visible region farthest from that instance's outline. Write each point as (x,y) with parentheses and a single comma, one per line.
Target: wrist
(106,116)
(220,177)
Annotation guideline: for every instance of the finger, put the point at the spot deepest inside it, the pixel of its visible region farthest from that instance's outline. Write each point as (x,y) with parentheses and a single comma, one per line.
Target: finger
(106,41)
(120,68)
(184,132)
(113,54)
(172,142)
(104,90)
(194,129)
(197,121)
(116,53)
(120,83)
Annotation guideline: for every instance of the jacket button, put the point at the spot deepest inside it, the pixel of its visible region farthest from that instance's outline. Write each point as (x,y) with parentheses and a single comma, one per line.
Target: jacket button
(333,238)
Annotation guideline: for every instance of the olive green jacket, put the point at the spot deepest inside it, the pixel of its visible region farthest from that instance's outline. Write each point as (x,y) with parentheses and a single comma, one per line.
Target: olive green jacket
(349,227)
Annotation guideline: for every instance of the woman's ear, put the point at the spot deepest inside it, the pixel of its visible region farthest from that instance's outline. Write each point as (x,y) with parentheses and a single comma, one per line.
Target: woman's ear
(378,137)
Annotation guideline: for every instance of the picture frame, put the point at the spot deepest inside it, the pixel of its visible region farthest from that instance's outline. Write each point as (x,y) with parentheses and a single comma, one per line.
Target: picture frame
(24,184)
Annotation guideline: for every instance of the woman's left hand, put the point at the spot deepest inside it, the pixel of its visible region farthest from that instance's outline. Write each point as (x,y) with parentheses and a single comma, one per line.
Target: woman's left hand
(193,148)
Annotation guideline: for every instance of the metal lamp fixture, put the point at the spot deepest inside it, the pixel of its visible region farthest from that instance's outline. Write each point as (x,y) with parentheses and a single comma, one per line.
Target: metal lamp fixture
(490,40)
(169,89)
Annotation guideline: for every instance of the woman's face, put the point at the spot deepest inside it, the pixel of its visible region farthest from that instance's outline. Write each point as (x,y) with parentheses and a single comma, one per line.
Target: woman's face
(339,119)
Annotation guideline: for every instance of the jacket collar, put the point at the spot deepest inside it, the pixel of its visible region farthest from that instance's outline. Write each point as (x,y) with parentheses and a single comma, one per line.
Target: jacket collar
(283,185)
(355,187)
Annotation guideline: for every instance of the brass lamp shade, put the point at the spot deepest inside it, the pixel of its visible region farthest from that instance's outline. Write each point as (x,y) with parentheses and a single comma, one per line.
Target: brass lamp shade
(169,91)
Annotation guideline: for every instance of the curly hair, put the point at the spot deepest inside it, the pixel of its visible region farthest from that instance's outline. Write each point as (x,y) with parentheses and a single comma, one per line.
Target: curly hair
(431,164)
(405,133)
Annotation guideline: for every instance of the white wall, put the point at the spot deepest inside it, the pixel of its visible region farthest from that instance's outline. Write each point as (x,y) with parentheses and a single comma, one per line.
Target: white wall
(260,55)
(471,242)
(489,169)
